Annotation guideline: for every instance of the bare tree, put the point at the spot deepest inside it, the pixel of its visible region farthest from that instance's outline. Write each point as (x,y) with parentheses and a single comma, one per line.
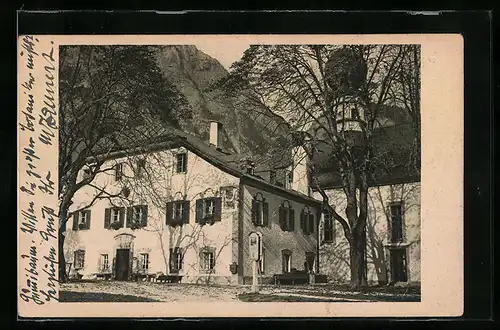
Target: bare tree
(106,92)
(333,96)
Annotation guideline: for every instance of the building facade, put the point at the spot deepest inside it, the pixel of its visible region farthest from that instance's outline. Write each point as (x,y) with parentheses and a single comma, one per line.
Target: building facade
(182,208)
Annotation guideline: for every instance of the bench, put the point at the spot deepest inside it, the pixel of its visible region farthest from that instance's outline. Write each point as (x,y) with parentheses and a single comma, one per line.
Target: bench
(169,278)
(291,278)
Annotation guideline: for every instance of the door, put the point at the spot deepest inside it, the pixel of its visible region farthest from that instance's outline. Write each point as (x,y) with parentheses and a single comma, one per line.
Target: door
(122,264)
(398,265)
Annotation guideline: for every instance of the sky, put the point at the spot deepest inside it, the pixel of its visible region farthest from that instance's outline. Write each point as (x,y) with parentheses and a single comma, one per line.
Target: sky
(225,54)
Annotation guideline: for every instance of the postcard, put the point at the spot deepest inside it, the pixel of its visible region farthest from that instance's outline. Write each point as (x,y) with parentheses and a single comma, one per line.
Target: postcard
(240,176)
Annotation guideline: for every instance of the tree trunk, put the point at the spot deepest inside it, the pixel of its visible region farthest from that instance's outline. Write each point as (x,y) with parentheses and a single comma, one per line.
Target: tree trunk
(63,218)
(357,259)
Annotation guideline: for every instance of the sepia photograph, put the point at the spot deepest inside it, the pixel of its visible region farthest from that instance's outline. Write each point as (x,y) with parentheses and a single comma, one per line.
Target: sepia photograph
(193,176)
(259,173)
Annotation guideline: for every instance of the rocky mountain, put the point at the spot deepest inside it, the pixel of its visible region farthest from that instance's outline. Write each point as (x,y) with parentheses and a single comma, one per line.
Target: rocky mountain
(248,129)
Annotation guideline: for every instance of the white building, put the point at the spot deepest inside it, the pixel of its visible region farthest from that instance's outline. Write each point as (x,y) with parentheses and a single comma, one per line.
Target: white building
(183,207)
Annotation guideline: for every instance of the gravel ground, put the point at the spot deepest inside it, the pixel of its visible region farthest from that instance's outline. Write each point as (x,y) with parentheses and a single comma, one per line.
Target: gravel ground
(160,291)
(191,292)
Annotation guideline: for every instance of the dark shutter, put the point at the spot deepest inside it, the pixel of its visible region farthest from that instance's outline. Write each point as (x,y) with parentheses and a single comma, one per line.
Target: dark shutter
(144,220)
(130,216)
(107,218)
(170,213)
(303,222)
(122,216)
(87,225)
(75,221)
(199,210)
(186,211)
(171,260)
(254,211)
(311,223)
(218,208)
(291,213)
(282,218)
(265,213)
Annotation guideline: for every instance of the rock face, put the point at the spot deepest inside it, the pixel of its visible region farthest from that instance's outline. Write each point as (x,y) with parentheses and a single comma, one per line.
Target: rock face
(247,129)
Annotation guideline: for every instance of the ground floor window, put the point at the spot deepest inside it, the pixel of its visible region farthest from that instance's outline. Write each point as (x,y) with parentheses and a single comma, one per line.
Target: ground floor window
(286,257)
(310,261)
(144,261)
(207,259)
(175,259)
(104,263)
(79,259)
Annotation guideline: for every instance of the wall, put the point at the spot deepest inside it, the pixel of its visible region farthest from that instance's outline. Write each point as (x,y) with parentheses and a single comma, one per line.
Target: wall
(274,238)
(159,185)
(334,257)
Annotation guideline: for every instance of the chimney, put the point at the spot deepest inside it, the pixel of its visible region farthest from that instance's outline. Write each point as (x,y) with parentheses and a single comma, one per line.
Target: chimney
(216,134)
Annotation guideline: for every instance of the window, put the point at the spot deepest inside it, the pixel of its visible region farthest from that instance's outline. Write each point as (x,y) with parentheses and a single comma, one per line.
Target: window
(208,209)
(177,213)
(137,216)
(118,171)
(81,220)
(286,257)
(262,261)
(104,263)
(114,217)
(396,223)
(79,259)
(228,193)
(181,166)
(86,173)
(288,179)
(307,223)
(286,217)
(144,261)
(272,177)
(328,229)
(260,210)
(354,113)
(310,261)
(208,259)
(140,167)
(178,210)
(176,259)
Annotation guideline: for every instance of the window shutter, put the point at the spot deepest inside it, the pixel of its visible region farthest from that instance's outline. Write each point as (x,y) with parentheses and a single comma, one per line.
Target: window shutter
(311,223)
(254,211)
(292,219)
(130,216)
(122,216)
(185,162)
(75,221)
(171,259)
(265,213)
(170,213)
(107,218)
(199,210)
(282,218)
(144,220)
(218,208)
(186,211)
(303,222)
(88,219)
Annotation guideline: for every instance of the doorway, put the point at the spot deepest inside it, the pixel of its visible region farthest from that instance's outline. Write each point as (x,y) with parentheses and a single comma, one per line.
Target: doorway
(122,266)
(398,265)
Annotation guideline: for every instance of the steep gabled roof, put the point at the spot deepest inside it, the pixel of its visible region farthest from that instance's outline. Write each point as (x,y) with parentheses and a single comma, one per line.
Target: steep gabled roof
(168,138)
